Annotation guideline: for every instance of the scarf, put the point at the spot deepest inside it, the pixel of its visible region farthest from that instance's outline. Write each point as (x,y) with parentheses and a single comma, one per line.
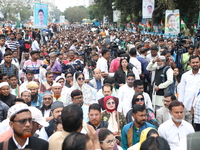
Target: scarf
(104,102)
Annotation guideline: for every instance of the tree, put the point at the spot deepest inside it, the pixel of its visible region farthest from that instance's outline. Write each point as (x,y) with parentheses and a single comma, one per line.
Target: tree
(75,14)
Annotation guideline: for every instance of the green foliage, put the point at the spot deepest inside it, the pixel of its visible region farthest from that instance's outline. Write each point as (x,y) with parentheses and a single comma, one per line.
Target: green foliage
(75,14)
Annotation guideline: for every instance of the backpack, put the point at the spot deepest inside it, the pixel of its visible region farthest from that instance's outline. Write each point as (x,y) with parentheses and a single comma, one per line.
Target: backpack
(170,88)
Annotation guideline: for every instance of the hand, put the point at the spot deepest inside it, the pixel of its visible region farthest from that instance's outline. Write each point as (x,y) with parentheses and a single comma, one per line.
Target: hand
(156,88)
(105,75)
(155,60)
(121,84)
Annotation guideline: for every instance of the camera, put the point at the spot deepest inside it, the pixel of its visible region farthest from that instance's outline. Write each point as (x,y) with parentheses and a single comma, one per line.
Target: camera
(198,35)
(114,48)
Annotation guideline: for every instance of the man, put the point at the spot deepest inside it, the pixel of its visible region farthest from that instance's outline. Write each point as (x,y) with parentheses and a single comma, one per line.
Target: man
(2,46)
(47,85)
(73,46)
(186,56)
(26,96)
(134,61)
(14,87)
(5,95)
(163,114)
(189,82)
(163,79)
(102,63)
(36,34)
(97,81)
(3,77)
(175,129)
(34,64)
(71,65)
(36,98)
(35,45)
(26,57)
(21,124)
(95,115)
(139,88)
(77,98)
(3,110)
(7,67)
(41,23)
(29,77)
(55,67)
(56,109)
(57,89)
(131,132)
(13,44)
(149,9)
(125,94)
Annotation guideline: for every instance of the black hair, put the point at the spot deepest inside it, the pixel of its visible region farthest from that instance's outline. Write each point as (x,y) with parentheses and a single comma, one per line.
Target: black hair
(134,98)
(137,108)
(161,40)
(153,143)
(48,73)
(78,74)
(143,50)
(193,57)
(2,36)
(75,141)
(12,75)
(2,75)
(72,117)
(133,52)
(7,54)
(169,16)
(76,93)
(109,80)
(171,95)
(137,83)
(104,51)
(103,133)
(56,123)
(95,106)
(68,73)
(108,85)
(174,104)
(12,34)
(154,48)
(17,100)
(74,41)
(125,55)
(149,6)
(120,67)
(152,131)
(165,52)
(119,52)
(29,71)
(40,10)
(130,75)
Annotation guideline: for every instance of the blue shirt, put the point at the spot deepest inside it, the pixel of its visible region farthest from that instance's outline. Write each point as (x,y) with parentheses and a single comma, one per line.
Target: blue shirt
(98,85)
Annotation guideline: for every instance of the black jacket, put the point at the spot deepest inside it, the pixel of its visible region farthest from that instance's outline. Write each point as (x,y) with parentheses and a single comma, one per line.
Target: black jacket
(103,124)
(34,144)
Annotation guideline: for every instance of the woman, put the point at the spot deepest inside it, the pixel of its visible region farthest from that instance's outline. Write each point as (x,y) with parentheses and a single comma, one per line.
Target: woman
(138,98)
(69,79)
(88,91)
(171,22)
(177,80)
(116,120)
(120,74)
(107,140)
(148,132)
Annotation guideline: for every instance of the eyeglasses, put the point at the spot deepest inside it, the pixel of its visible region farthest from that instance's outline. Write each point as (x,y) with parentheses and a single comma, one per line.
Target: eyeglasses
(111,103)
(87,82)
(45,99)
(130,79)
(109,141)
(50,77)
(69,76)
(166,101)
(81,79)
(77,98)
(24,121)
(139,99)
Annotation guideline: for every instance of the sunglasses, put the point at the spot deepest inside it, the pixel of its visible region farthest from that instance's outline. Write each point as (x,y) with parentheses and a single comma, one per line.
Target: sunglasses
(24,121)
(45,99)
(111,103)
(139,99)
(109,141)
(81,79)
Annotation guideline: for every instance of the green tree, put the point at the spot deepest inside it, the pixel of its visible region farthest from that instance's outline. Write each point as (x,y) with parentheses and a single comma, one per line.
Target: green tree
(75,14)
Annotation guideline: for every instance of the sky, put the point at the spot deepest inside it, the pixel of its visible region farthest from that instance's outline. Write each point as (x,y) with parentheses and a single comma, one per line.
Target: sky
(63,4)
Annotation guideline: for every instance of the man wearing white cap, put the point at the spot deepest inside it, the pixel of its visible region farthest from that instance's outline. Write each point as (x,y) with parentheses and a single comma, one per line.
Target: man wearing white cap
(21,123)
(5,94)
(36,98)
(57,89)
(163,79)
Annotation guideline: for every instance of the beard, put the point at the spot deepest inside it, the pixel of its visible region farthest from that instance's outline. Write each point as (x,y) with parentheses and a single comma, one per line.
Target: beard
(177,120)
(159,67)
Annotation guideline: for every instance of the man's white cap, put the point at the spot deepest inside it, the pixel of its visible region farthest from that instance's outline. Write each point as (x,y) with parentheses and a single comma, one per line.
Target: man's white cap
(37,116)
(16,109)
(56,84)
(3,84)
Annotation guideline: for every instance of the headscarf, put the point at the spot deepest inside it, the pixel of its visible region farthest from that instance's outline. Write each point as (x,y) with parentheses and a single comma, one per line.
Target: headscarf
(104,102)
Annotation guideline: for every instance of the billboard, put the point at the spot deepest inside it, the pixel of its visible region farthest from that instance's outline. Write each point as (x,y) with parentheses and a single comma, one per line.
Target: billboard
(172,22)
(116,15)
(40,15)
(62,19)
(147,8)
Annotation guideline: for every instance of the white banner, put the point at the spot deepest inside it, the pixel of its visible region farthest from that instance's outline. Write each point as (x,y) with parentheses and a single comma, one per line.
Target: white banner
(116,15)
(147,8)
(172,22)
(62,19)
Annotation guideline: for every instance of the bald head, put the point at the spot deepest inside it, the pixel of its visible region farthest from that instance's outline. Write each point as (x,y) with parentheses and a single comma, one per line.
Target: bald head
(97,74)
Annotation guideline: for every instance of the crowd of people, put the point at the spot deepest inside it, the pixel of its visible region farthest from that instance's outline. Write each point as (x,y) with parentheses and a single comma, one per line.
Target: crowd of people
(82,88)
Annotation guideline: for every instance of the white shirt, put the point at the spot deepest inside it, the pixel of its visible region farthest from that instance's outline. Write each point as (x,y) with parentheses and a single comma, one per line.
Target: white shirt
(2,49)
(35,46)
(43,134)
(47,113)
(102,64)
(187,88)
(173,134)
(137,64)
(196,106)
(18,146)
(125,96)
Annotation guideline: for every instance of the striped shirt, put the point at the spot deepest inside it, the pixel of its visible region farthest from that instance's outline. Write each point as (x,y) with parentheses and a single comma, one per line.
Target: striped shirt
(13,45)
(35,66)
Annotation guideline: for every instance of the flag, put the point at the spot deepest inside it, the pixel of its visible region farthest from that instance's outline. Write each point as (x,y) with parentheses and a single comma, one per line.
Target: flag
(141,25)
(161,24)
(148,25)
(133,24)
(195,27)
(183,25)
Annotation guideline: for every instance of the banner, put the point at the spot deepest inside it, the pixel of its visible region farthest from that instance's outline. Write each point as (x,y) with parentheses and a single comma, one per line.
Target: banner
(199,21)
(147,8)
(116,15)
(172,22)
(40,15)
(62,19)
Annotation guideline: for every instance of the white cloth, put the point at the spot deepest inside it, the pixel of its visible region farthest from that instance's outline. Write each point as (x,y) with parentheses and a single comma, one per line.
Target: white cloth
(187,88)
(125,95)
(135,71)
(43,134)
(137,64)
(18,146)
(47,113)
(112,122)
(173,134)
(2,49)
(102,64)
(196,106)
(35,46)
